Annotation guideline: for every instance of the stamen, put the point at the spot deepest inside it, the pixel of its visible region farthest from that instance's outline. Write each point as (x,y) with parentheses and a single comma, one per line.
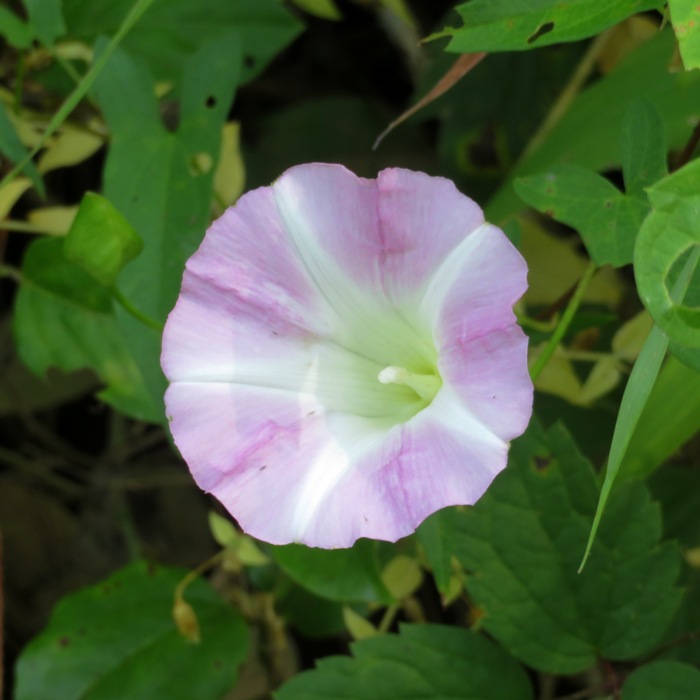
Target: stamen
(425,385)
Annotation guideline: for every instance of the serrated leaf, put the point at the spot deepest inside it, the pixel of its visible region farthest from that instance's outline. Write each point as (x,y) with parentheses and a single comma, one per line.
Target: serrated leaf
(607,219)
(685,17)
(523,541)
(499,25)
(172,30)
(423,661)
(64,319)
(118,640)
(344,575)
(101,241)
(669,680)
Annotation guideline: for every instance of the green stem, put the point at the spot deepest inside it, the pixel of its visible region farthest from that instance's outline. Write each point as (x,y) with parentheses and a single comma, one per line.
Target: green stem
(567,317)
(12,272)
(82,88)
(567,95)
(25,227)
(136,313)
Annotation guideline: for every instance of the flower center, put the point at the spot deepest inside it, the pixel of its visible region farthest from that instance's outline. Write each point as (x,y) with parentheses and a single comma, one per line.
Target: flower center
(425,385)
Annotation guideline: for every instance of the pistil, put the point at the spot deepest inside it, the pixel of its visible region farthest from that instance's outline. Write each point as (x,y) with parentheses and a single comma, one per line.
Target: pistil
(425,385)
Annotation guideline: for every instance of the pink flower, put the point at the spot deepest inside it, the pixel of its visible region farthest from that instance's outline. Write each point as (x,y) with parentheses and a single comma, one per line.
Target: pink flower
(344,359)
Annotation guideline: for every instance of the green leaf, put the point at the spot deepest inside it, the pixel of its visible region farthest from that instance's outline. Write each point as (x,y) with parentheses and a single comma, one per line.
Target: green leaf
(499,25)
(607,219)
(643,147)
(160,181)
(64,319)
(118,640)
(669,680)
(47,19)
(17,33)
(13,148)
(588,135)
(423,661)
(685,17)
(343,575)
(641,381)
(670,231)
(436,535)
(172,30)
(522,543)
(101,241)
(670,418)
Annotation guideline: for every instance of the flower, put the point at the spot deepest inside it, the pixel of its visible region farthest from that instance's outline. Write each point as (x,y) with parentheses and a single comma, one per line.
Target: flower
(343,357)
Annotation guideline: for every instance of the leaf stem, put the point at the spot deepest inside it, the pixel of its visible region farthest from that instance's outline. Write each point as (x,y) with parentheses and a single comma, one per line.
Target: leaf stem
(567,95)
(567,317)
(136,313)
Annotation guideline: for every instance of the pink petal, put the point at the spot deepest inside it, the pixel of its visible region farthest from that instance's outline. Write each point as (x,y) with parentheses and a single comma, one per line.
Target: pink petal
(422,219)
(473,292)
(288,472)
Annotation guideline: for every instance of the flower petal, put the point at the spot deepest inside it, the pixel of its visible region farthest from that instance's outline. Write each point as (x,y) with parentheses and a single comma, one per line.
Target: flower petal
(472,293)
(289,472)
(423,219)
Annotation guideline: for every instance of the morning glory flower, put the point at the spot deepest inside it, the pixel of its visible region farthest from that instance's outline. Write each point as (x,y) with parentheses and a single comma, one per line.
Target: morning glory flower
(343,357)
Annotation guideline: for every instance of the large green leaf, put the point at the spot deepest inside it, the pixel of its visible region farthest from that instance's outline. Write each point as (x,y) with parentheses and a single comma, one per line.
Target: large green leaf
(64,319)
(607,219)
(669,680)
(345,575)
(118,640)
(501,25)
(588,135)
(423,661)
(523,542)
(162,181)
(171,30)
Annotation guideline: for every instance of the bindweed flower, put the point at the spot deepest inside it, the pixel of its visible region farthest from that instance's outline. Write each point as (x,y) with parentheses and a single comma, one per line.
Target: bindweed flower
(343,357)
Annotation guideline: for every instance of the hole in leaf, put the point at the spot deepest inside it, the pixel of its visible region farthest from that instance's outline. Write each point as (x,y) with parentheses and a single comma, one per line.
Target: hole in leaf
(211,102)
(249,61)
(544,29)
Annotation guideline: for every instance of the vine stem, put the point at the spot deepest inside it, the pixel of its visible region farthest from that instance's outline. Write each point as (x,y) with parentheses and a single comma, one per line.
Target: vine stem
(567,317)
(567,95)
